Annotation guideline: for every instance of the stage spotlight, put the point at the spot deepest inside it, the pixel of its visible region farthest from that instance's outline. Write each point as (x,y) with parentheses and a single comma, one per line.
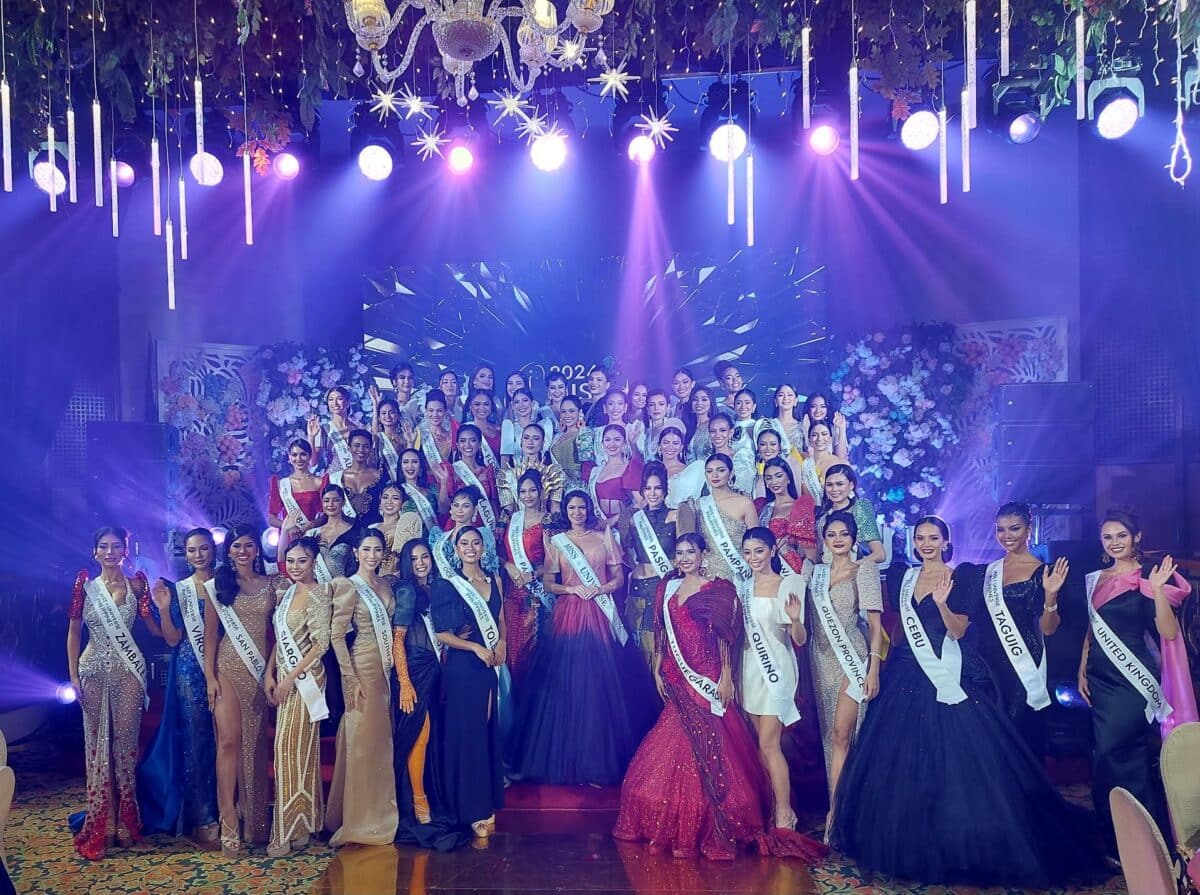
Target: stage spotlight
(460,159)
(270,536)
(641,149)
(549,151)
(48,177)
(1018,106)
(219,534)
(125,174)
(824,139)
(286,166)
(728,142)
(919,130)
(375,161)
(66,694)
(206,169)
(1117,101)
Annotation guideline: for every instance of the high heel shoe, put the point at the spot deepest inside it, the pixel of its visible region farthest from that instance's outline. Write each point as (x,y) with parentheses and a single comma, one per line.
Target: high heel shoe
(789,823)
(481,829)
(421,809)
(231,838)
(279,849)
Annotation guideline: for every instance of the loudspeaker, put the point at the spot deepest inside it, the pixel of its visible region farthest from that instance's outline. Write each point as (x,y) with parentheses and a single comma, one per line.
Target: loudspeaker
(1048,483)
(1046,402)
(1045,443)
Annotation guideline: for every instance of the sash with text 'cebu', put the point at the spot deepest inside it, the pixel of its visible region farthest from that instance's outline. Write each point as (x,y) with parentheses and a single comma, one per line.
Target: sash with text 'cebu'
(835,633)
(1031,674)
(587,576)
(289,657)
(705,686)
(1123,658)
(945,673)
(115,629)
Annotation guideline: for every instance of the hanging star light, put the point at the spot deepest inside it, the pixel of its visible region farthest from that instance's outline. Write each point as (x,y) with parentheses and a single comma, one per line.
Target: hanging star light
(532,127)
(383,103)
(572,53)
(413,103)
(429,142)
(658,128)
(615,81)
(508,102)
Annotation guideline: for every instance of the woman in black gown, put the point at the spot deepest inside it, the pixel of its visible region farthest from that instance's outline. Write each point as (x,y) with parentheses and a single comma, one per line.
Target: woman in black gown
(940,787)
(1019,600)
(1129,602)
(470,625)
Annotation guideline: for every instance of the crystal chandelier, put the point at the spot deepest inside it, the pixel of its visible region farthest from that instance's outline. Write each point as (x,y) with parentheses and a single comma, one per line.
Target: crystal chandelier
(470,31)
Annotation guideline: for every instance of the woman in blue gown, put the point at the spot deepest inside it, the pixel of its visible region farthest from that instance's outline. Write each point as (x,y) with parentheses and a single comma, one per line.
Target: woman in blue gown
(940,787)
(176,779)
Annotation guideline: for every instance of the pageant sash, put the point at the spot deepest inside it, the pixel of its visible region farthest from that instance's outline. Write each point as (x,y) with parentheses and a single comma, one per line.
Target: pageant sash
(380,620)
(289,657)
(945,672)
(516,542)
(811,480)
(711,514)
(705,686)
(193,617)
(1142,680)
(443,550)
(290,503)
(115,629)
(324,574)
(437,645)
(766,649)
(835,633)
(489,456)
(243,643)
(651,544)
(429,445)
(335,478)
(391,457)
(467,475)
(1031,674)
(341,447)
(488,629)
(424,507)
(587,575)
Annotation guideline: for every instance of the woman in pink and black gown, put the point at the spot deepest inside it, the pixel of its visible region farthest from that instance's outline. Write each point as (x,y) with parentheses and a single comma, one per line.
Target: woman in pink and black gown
(696,784)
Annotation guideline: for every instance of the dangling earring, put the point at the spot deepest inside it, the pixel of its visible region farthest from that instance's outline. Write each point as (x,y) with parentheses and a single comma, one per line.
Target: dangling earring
(704,567)
(1106,558)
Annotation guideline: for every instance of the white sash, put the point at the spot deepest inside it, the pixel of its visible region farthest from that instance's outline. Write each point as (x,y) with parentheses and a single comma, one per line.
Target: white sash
(438,547)
(335,478)
(321,568)
(340,446)
(811,480)
(945,672)
(429,445)
(193,618)
(379,619)
(489,456)
(391,456)
(587,575)
(651,544)
(1126,662)
(1032,676)
(516,542)
(488,629)
(289,657)
(486,511)
(247,649)
(705,686)
(437,645)
(424,507)
(289,500)
(763,645)
(843,649)
(711,515)
(115,629)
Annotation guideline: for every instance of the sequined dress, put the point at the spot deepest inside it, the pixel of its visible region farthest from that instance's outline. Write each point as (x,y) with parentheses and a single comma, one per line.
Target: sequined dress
(253,785)
(717,566)
(523,604)
(299,801)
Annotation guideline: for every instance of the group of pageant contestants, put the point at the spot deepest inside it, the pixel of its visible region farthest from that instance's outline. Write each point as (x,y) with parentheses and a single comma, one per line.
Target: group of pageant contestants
(481,588)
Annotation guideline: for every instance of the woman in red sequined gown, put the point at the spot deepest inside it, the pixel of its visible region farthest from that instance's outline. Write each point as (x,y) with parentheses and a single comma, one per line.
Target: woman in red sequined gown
(111,683)
(696,785)
(790,514)
(524,599)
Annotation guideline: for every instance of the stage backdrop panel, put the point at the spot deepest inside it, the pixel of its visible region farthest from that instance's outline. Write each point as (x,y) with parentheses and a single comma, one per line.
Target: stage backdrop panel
(765,309)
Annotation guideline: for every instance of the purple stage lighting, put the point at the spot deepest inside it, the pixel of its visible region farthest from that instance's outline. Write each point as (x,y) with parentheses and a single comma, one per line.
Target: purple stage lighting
(218,534)
(728,142)
(823,139)
(270,537)
(1117,117)
(206,169)
(1069,697)
(47,176)
(548,152)
(286,166)
(125,174)
(375,162)
(641,149)
(1024,128)
(66,694)
(460,159)
(919,130)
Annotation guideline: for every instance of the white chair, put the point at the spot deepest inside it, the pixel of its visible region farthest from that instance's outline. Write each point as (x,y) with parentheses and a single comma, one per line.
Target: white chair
(1145,860)
(8,783)
(1181,779)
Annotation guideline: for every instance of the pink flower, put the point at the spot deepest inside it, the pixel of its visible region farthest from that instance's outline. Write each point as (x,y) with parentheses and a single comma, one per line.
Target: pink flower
(294,377)
(235,417)
(330,378)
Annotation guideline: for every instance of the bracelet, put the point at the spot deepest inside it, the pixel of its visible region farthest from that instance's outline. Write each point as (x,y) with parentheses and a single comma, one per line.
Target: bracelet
(1053,608)
(876,655)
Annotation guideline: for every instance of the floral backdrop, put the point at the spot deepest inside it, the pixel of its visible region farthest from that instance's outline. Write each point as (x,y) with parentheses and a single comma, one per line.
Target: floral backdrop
(918,400)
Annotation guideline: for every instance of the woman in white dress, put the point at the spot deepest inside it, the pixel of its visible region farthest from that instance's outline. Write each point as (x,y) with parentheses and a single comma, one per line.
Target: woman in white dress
(773,616)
